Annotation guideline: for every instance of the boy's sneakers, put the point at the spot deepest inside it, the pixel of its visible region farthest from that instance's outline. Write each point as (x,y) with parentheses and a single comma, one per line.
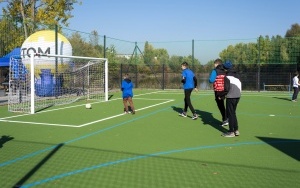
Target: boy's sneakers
(231,134)
(237,133)
(228,134)
(183,114)
(224,123)
(129,112)
(195,116)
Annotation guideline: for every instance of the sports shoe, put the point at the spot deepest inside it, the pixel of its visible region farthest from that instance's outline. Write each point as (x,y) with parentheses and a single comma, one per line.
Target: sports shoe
(294,101)
(195,116)
(125,112)
(228,134)
(237,133)
(224,123)
(183,114)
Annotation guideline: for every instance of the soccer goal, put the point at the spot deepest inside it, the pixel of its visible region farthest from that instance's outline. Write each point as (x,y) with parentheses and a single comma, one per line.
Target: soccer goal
(43,80)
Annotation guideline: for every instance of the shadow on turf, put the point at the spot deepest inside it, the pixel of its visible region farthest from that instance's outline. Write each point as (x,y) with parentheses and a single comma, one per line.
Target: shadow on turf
(289,147)
(37,167)
(206,117)
(176,109)
(5,139)
(282,98)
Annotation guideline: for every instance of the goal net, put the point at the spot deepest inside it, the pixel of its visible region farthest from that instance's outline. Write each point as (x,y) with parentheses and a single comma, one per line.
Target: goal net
(41,81)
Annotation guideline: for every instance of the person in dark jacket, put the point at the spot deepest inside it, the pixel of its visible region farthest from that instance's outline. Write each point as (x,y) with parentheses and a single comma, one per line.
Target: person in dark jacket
(216,77)
(233,89)
(127,94)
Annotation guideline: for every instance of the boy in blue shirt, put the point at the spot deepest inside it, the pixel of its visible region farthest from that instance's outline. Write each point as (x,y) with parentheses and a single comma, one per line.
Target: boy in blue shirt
(127,94)
(189,83)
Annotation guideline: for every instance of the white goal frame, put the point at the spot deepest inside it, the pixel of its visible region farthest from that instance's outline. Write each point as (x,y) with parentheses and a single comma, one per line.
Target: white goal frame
(28,95)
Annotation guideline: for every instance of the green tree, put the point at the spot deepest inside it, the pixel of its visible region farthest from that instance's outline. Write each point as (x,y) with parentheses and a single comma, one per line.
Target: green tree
(161,56)
(294,31)
(293,44)
(34,14)
(111,54)
(94,38)
(264,49)
(149,54)
(9,41)
(175,63)
(228,53)
(81,47)
(278,50)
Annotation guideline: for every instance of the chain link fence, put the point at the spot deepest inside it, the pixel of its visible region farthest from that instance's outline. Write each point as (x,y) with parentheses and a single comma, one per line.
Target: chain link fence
(263,63)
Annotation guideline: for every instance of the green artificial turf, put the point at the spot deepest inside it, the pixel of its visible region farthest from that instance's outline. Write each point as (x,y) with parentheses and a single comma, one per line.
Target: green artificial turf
(102,147)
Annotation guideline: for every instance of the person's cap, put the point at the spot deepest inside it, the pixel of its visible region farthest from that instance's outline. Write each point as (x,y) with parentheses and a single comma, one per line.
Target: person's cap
(227,64)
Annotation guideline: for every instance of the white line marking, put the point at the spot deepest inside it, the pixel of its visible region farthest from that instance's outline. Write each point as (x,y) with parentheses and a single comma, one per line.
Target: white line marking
(82,125)
(36,123)
(122,114)
(147,99)
(44,111)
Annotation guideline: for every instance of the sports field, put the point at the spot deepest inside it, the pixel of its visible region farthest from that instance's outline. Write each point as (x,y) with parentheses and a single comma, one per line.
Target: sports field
(70,146)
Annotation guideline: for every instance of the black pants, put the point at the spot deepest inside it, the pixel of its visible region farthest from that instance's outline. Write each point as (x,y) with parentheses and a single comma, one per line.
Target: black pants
(231,105)
(187,100)
(295,94)
(221,106)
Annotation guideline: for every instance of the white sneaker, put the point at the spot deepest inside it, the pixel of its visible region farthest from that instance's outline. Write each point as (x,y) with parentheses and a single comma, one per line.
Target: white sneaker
(224,123)
(228,134)
(237,133)
(183,114)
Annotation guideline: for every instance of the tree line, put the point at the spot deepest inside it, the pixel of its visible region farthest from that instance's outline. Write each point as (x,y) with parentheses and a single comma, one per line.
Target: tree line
(22,18)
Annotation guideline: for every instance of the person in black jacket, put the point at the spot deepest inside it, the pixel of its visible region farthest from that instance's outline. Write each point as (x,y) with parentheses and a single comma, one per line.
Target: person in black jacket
(217,78)
(232,88)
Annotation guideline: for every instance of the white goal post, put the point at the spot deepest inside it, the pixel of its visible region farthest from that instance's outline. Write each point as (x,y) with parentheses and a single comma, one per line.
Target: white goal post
(44,80)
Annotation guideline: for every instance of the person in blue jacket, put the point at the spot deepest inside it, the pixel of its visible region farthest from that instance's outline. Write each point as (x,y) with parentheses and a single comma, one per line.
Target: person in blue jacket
(127,94)
(189,82)
(216,77)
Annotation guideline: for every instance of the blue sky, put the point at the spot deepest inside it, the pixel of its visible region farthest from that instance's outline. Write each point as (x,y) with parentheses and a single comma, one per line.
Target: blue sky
(175,20)
(171,20)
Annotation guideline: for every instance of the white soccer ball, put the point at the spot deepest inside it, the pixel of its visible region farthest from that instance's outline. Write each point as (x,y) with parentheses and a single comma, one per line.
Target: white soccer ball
(88,106)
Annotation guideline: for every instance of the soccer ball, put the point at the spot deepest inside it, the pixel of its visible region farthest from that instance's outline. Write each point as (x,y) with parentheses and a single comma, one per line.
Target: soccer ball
(88,106)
